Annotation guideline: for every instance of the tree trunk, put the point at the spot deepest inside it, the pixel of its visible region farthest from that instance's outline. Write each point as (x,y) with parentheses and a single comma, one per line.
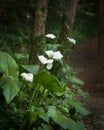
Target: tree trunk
(101,33)
(64,33)
(38,41)
(71,6)
(67,26)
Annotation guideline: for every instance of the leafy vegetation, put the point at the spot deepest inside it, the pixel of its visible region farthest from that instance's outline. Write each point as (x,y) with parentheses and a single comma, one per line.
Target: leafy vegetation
(52,99)
(45,102)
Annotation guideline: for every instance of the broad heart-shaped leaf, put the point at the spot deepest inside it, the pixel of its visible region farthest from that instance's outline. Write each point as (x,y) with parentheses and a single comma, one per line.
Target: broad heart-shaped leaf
(8,65)
(62,120)
(48,81)
(31,68)
(33,113)
(10,88)
(79,107)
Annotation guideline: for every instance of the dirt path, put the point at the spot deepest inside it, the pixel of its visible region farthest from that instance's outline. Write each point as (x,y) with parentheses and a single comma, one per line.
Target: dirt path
(84,59)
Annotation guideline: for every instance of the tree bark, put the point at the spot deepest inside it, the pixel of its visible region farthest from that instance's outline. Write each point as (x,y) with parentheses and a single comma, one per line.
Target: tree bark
(38,41)
(62,39)
(67,26)
(101,33)
(71,6)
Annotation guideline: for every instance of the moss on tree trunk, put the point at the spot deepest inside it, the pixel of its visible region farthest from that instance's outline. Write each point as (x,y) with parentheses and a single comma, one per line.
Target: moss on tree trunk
(38,43)
(71,6)
(37,48)
(62,39)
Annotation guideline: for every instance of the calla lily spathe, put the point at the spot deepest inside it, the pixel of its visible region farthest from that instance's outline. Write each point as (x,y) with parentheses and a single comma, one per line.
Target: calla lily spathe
(51,57)
(55,55)
(50,36)
(27,76)
(49,53)
(71,40)
(44,60)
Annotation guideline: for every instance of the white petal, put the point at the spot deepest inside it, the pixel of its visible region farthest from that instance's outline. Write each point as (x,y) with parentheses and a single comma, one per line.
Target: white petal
(71,40)
(27,76)
(42,59)
(49,61)
(49,66)
(23,75)
(50,36)
(74,42)
(57,55)
(68,38)
(49,53)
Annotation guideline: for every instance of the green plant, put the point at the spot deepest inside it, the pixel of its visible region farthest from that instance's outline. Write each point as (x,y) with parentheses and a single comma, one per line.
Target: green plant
(34,98)
(102,120)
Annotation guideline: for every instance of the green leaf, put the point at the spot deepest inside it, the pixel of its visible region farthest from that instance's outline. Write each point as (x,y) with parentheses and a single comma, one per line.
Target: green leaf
(81,124)
(84,94)
(79,107)
(10,88)
(8,65)
(49,81)
(44,116)
(21,56)
(31,68)
(46,127)
(34,112)
(76,80)
(62,120)
(52,46)
(31,116)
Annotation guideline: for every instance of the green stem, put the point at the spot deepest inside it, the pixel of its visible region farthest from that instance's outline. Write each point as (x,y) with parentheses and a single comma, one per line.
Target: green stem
(41,97)
(33,95)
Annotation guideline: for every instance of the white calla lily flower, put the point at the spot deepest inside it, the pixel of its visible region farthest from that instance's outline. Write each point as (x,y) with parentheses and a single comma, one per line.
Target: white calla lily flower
(49,66)
(52,56)
(42,59)
(49,53)
(50,36)
(57,55)
(71,40)
(27,76)
(50,61)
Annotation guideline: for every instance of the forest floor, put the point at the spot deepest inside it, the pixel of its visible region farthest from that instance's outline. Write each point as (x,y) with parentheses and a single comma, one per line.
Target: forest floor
(84,59)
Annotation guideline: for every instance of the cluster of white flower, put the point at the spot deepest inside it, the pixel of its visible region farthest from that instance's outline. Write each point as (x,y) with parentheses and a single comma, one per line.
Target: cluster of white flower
(51,57)
(48,61)
(71,40)
(50,36)
(28,76)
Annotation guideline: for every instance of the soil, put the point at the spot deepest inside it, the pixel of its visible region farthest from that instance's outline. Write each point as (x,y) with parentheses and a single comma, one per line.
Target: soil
(84,59)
